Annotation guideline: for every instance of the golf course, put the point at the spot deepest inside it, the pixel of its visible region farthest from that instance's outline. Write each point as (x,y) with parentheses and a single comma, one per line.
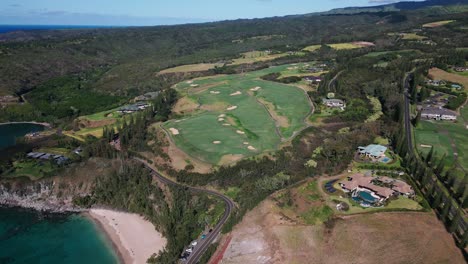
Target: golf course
(226,118)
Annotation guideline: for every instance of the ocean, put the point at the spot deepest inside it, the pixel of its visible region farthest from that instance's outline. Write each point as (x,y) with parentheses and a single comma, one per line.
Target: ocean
(33,237)
(9,28)
(9,132)
(28,236)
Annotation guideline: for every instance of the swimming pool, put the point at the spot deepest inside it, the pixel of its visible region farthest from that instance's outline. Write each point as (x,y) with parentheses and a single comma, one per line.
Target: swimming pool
(364,198)
(385,160)
(367,197)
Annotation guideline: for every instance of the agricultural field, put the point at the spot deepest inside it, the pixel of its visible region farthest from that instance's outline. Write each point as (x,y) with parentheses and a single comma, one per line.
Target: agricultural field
(438,23)
(271,233)
(341,46)
(226,118)
(245,58)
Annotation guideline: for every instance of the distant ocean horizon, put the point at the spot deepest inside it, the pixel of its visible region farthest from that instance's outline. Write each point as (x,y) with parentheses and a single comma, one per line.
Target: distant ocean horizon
(10,28)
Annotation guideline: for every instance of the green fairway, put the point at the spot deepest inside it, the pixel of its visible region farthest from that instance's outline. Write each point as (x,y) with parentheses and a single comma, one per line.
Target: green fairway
(239,116)
(446,137)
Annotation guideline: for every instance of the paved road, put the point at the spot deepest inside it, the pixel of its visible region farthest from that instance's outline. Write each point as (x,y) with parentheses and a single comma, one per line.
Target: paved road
(205,243)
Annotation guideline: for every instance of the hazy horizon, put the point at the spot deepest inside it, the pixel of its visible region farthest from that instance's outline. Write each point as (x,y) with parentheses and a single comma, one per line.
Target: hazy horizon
(156,12)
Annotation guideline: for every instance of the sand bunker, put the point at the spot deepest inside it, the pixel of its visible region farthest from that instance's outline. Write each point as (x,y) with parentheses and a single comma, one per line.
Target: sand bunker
(216,142)
(174,131)
(214,92)
(194,85)
(251,148)
(240,132)
(246,143)
(222,115)
(189,82)
(226,124)
(425,146)
(220,119)
(256,88)
(232,108)
(236,93)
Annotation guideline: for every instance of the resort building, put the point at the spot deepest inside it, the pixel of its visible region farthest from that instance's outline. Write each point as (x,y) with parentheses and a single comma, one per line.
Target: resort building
(438,114)
(333,102)
(373,151)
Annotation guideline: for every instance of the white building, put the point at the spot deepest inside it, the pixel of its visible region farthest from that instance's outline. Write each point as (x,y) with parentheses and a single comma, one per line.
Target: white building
(438,114)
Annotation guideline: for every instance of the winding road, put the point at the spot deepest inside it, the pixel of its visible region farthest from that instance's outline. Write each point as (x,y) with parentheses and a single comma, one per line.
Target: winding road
(203,244)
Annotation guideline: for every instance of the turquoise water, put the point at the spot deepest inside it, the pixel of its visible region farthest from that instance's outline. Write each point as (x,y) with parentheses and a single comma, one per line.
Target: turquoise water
(33,237)
(367,196)
(9,132)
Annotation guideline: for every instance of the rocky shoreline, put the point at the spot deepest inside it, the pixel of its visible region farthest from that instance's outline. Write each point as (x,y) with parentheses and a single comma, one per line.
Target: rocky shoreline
(38,198)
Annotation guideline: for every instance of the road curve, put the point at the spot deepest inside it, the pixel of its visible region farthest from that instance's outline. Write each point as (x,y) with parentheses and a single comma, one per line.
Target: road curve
(205,243)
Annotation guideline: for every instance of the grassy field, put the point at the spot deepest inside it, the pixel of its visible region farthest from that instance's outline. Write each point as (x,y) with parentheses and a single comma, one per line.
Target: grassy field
(191,68)
(446,138)
(104,115)
(438,23)
(245,58)
(236,119)
(31,169)
(439,74)
(398,52)
(337,46)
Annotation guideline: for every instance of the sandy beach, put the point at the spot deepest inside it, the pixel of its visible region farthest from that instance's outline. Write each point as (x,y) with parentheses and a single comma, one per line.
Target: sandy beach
(134,238)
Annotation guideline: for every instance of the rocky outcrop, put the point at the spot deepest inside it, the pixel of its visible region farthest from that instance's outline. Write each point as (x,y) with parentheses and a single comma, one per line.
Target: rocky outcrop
(40,196)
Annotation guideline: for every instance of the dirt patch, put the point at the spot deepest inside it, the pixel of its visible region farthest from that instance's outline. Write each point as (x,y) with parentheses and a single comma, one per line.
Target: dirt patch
(230,158)
(280,120)
(185,105)
(438,74)
(267,236)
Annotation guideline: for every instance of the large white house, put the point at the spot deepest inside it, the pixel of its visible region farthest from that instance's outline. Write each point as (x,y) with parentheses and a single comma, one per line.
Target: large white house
(438,114)
(333,102)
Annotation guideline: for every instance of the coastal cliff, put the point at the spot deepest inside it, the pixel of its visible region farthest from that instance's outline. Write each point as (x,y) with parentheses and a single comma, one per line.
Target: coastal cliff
(54,194)
(40,196)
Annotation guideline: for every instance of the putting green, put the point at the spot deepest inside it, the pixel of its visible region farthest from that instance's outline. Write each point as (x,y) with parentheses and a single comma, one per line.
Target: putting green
(238,116)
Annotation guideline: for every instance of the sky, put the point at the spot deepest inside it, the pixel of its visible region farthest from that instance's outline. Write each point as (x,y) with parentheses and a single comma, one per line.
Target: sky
(157,12)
